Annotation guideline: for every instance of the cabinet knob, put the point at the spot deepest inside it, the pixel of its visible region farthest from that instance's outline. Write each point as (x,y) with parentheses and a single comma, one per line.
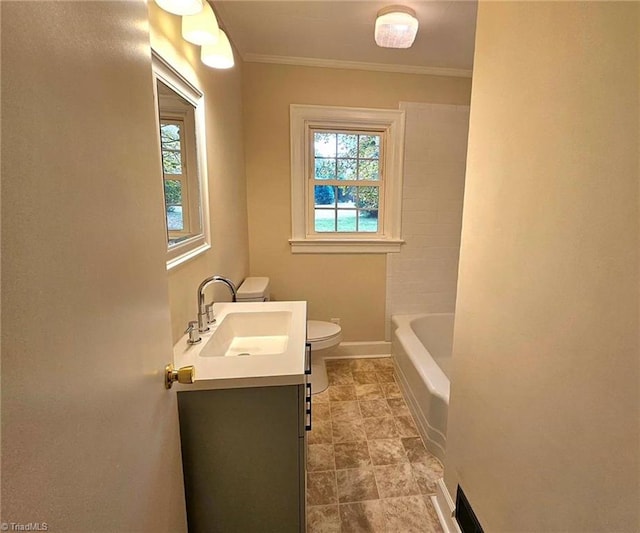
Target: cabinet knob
(185,375)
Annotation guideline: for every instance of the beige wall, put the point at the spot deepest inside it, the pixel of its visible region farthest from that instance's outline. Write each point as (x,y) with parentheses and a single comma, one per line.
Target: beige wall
(543,427)
(350,287)
(229,255)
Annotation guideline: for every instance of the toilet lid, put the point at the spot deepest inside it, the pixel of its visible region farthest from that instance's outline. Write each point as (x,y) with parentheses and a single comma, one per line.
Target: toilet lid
(318,330)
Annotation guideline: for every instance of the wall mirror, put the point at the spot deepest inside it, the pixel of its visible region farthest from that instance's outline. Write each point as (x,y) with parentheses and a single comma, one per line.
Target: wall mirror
(181,140)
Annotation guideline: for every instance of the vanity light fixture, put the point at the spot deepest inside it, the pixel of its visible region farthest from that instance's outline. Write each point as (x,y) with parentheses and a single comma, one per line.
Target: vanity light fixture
(181,7)
(396,27)
(201,28)
(218,55)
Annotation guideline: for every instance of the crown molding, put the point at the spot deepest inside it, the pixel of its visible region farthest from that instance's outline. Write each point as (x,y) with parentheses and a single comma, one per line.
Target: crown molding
(356,65)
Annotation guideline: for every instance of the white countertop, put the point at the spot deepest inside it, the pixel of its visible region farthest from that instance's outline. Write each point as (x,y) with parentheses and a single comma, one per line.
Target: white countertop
(235,371)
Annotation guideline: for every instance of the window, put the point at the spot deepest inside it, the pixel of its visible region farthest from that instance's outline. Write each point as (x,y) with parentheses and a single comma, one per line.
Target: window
(175,178)
(183,151)
(346,179)
(179,169)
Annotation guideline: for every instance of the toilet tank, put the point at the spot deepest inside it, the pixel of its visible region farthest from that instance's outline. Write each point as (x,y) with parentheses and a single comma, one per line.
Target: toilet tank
(254,289)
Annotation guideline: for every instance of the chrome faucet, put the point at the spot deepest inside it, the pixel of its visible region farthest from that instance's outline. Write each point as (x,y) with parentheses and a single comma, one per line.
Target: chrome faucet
(205,314)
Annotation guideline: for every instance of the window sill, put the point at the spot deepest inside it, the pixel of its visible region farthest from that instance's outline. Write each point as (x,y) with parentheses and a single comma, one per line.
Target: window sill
(345,246)
(190,253)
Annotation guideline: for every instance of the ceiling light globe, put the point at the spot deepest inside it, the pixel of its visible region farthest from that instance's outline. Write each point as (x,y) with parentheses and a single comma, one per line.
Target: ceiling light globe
(201,28)
(181,7)
(219,55)
(396,27)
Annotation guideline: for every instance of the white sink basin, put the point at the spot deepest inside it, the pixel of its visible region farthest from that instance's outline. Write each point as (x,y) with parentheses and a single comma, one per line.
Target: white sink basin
(250,334)
(251,344)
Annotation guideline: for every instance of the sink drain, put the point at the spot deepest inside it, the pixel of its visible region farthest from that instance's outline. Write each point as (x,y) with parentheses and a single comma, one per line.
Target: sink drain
(244,353)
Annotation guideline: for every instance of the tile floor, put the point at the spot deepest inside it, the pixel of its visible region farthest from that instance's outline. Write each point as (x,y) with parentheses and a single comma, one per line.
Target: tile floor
(367,467)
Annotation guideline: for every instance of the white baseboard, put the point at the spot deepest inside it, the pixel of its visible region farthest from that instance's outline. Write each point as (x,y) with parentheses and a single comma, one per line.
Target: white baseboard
(445,508)
(360,349)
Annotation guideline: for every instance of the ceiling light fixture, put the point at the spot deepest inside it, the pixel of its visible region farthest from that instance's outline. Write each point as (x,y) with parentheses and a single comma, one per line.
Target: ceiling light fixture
(181,7)
(201,28)
(396,27)
(218,55)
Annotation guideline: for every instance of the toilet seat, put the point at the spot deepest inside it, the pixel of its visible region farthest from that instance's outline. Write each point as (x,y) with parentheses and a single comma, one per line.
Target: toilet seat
(320,334)
(323,334)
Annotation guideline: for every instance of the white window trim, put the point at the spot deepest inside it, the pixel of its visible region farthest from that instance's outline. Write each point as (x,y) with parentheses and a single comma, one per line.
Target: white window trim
(198,244)
(304,117)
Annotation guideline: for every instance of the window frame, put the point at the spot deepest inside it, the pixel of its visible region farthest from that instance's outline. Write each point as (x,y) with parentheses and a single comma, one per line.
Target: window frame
(180,252)
(304,119)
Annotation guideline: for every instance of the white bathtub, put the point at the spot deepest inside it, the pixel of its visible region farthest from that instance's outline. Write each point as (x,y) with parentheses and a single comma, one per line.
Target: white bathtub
(421,350)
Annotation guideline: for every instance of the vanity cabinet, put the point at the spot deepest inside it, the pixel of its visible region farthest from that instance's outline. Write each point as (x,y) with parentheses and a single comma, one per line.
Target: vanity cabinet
(244,457)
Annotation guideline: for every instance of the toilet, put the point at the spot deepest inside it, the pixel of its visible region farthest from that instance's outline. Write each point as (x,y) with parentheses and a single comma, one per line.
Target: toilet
(320,334)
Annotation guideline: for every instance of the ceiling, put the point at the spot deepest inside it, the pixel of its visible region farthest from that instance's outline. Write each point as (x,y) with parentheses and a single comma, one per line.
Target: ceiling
(340,33)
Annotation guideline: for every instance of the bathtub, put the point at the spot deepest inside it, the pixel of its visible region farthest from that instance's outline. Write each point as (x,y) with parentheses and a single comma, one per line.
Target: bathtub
(421,349)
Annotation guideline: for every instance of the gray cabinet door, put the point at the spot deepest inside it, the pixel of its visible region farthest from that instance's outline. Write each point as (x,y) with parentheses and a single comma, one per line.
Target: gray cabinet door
(241,457)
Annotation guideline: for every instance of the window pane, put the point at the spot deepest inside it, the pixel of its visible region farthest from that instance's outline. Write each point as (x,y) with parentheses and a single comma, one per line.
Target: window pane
(368,197)
(369,170)
(369,146)
(324,195)
(347,196)
(324,144)
(347,219)
(175,222)
(170,136)
(325,169)
(173,205)
(347,145)
(347,169)
(368,221)
(172,193)
(171,162)
(325,220)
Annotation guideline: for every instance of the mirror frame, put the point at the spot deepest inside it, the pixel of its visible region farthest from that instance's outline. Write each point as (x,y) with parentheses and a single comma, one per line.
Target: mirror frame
(197,244)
